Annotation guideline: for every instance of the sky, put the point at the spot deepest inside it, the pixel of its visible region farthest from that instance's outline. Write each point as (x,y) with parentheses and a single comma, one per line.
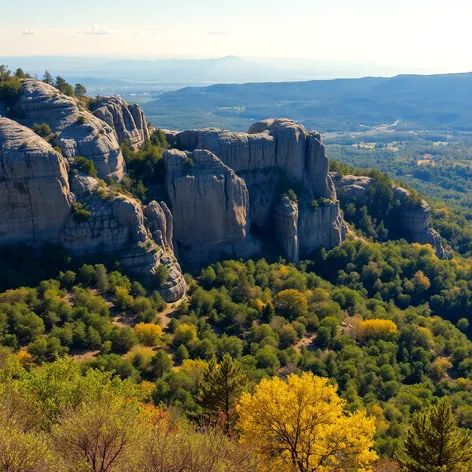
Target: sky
(428,34)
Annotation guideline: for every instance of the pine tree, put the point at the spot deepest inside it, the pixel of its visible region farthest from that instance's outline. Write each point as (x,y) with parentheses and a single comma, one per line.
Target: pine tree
(161,364)
(47,78)
(222,384)
(434,443)
(80,90)
(268,312)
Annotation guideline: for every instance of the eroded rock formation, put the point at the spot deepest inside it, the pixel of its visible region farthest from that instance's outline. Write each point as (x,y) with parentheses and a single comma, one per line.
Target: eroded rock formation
(35,197)
(78,132)
(128,121)
(38,204)
(413,220)
(274,156)
(210,207)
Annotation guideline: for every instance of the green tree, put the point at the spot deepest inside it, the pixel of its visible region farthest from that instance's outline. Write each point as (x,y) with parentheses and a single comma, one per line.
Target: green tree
(161,363)
(434,443)
(222,384)
(47,78)
(80,90)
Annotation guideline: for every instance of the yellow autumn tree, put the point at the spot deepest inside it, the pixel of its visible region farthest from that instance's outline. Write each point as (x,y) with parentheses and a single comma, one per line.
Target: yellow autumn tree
(303,422)
(148,334)
(377,329)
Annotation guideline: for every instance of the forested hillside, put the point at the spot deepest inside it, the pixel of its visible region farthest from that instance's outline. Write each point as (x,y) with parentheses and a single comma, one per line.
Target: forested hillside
(418,102)
(356,358)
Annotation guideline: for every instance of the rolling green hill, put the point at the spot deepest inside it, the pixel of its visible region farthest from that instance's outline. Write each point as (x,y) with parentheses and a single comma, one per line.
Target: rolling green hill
(424,102)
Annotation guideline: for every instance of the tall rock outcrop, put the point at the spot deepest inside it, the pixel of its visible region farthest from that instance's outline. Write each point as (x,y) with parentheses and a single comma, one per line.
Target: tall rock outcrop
(39,203)
(78,132)
(35,198)
(286,228)
(128,121)
(274,156)
(413,220)
(210,207)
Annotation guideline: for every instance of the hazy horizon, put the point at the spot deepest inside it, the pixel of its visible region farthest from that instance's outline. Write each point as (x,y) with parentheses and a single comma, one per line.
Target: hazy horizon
(425,37)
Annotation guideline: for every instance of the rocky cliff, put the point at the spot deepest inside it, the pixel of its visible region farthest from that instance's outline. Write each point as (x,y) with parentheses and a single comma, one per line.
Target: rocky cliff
(413,221)
(77,131)
(43,198)
(128,121)
(226,191)
(210,207)
(273,157)
(35,197)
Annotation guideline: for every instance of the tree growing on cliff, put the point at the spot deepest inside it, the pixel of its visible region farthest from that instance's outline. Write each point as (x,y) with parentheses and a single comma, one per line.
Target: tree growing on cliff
(434,443)
(79,90)
(302,422)
(47,78)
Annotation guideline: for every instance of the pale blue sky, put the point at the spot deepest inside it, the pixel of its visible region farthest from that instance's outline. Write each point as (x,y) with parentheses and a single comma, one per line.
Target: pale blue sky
(412,33)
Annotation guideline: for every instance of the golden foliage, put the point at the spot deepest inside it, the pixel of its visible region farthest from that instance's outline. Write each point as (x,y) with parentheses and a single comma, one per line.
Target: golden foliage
(148,334)
(302,421)
(376,329)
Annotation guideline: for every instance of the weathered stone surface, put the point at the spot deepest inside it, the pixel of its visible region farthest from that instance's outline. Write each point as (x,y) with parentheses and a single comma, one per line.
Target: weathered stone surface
(286,229)
(128,121)
(37,194)
(43,103)
(320,227)
(161,224)
(79,133)
(34,189)
(210,207)
(414,222)
(95,140)
(276,154)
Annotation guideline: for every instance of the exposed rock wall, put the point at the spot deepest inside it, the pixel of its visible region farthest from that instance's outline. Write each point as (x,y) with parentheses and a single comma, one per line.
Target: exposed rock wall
(276,155)
(37,197)
(128,121)
(414,222)
(78,132)
(286,229)
(34,189)
(210,207)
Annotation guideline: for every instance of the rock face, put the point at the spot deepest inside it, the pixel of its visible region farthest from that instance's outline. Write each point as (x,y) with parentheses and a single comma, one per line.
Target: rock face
(43,103)
(95,140)
(78,132)
(34,189)
(210,207)
(286,228)
(413,221)
(275,155)
(128,121)
(37,205)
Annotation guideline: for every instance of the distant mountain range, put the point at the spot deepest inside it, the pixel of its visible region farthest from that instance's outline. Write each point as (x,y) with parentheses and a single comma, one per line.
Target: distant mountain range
(191,71)
(416,101)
